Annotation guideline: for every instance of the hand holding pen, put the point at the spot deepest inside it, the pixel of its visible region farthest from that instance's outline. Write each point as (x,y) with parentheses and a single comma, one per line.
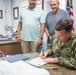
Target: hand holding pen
(43,54)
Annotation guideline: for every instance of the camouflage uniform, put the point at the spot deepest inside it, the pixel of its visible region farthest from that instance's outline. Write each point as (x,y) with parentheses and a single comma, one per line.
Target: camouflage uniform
(64,51)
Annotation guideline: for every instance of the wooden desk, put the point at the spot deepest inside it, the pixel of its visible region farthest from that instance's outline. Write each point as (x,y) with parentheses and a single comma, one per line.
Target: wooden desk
(61,70)
(10,47)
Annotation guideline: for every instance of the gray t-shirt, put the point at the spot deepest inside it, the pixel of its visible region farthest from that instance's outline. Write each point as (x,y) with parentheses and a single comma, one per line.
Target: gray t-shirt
(52,19)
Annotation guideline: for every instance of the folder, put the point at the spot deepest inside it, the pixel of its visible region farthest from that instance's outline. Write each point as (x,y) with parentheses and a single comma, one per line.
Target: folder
(14,58)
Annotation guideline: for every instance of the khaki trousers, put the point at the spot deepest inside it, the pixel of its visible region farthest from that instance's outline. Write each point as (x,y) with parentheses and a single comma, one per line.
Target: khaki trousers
(29,46)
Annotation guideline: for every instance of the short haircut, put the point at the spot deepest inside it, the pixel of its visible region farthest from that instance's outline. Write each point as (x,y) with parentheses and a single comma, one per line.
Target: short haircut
(55,0)
(64,24)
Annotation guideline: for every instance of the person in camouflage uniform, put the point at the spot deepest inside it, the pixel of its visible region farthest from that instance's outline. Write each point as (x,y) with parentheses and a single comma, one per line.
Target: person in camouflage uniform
(63,45)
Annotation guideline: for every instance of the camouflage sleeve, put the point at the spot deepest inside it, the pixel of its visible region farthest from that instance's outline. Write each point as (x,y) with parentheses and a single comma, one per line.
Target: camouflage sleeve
(69,62)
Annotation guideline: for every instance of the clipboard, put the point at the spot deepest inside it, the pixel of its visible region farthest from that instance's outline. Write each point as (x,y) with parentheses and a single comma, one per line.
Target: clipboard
(38,62)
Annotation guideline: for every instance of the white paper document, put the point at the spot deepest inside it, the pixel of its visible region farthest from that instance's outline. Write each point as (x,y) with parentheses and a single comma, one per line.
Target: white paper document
(36,62)
(6,69)
(20,68)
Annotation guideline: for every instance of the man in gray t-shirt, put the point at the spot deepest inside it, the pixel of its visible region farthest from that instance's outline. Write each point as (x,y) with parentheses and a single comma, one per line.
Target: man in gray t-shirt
(53,17)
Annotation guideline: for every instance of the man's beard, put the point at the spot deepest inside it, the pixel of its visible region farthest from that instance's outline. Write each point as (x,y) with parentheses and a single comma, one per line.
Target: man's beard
(32,5)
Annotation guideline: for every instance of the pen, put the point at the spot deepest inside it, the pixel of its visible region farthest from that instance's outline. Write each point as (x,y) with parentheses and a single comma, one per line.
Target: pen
(42,51)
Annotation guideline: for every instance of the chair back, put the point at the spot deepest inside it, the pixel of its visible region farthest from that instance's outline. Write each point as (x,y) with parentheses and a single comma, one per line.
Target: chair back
(1,54)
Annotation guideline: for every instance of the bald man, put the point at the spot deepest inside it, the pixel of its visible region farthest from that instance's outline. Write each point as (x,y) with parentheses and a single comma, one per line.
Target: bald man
(53,17)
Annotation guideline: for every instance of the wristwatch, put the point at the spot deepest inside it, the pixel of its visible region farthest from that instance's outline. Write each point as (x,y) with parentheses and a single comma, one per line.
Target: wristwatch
(49,35)
(41,37)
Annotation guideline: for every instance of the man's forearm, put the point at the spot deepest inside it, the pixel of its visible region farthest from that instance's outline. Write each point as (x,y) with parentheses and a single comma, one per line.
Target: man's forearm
(19,28)
(47,32)
(67,62)
(42,30)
